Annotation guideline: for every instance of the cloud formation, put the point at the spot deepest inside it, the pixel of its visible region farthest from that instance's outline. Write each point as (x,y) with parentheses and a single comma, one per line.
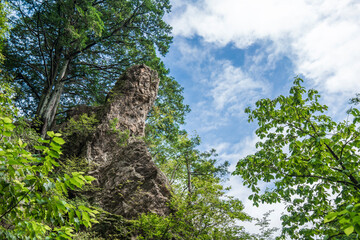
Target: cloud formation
(321,37)
(233,89)
(217,89)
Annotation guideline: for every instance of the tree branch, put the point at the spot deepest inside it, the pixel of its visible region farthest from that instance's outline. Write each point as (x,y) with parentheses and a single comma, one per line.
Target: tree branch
(28,83)
(110,35)
(323,178)
(12,207)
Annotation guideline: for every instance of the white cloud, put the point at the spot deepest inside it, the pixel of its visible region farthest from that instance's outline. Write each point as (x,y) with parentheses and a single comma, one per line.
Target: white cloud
(330,54)
(227,91)
(219,90)
(321,37)
(233,88)
(241,22)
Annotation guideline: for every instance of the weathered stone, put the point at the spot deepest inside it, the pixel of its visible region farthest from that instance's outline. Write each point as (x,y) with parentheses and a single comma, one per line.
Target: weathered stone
(134,184)
(125,111)
(129,180)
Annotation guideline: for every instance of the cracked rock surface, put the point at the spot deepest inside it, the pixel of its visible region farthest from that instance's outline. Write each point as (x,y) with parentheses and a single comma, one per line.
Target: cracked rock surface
(128,180)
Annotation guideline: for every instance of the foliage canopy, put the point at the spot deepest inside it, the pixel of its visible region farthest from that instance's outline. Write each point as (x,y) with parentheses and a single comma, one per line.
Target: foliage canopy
(71,52)
(63,53)
(311,161)
(202,210)
(33,203)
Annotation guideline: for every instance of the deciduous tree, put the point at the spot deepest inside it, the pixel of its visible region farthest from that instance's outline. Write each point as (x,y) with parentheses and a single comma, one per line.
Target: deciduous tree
(310,162)
(202,210)
(33,203)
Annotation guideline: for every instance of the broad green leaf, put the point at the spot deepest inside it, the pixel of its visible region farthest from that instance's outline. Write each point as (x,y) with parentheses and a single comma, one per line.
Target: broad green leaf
(55,146)
(51,134)
(6,120)
(330,217)
(20,142)
(40,147)
(43,140)
(58,140)
(54,154)
(89,178)
(349,230)
(75,182)
(86,218)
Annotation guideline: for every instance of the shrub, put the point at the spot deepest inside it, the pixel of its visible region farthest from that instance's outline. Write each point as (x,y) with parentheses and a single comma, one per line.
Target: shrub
(33,204)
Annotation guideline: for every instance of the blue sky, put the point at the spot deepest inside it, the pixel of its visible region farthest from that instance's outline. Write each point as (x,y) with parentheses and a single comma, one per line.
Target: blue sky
(229,53)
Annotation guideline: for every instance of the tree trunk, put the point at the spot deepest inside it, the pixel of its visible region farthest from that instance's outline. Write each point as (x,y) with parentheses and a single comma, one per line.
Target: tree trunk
(188,176)
(49,102)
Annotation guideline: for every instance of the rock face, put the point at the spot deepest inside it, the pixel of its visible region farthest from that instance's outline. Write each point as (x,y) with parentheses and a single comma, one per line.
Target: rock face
(129,181)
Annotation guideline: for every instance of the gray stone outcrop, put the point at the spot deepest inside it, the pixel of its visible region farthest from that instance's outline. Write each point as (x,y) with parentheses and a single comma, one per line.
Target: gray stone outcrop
(128,180)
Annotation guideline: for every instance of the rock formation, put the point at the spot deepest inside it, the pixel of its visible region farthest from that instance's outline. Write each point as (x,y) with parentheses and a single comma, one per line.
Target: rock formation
(128,180)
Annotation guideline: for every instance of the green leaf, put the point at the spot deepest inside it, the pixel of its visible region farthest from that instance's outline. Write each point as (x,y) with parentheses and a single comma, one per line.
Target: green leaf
(43,140)
(330,217)
(75,182)
(13,162)
(20,142)
(344,221)
(54,154)
(349,207)
(349,230)
(51,134)
(58,140)
(89,178)
(6,120)
(55,146)
(86,219)
(71,215)
(53,162)
(7,133)
(40,147)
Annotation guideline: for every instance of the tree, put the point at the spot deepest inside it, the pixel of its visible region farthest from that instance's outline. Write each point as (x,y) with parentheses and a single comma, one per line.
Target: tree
(266,232)
(168,113)
(310,161)
(202,210)
(3,28)
(71,51)
(33,203)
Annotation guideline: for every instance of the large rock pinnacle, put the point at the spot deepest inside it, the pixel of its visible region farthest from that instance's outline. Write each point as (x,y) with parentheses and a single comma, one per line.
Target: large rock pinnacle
(124,113)
(132,98)
(129,181)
